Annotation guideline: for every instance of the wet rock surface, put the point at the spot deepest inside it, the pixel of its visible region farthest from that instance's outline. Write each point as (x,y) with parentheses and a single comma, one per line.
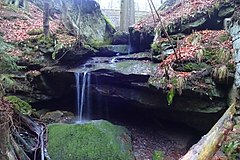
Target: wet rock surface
(112,50)
(130,78)
(57,117)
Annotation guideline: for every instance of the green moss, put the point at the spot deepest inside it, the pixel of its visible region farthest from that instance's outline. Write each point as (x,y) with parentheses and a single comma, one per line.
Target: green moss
(158,155)
(97,140)
(108,21)
(20,105)
(224,37)
(40,40)
(170,96)
(37,31)
(194,66)
(156,48)
(217,56)
(46,45)
(99,43)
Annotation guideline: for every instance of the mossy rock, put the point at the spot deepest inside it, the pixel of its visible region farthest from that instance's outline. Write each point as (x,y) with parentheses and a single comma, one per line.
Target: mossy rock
(99,43)
(96,140)
(37,31)
(20,105)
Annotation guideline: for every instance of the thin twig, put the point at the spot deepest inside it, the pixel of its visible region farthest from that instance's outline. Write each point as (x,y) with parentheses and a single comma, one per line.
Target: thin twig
(63,55)
(152,11)
(164,29)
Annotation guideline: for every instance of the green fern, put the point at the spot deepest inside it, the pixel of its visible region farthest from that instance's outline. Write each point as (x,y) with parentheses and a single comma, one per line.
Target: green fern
(230,149)
(170,96)
(6,81)
(57,47)
(8,63)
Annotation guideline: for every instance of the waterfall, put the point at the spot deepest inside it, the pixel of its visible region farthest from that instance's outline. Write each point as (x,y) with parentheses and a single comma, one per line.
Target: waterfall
(113,60)
(83,92)
(129,45)
(77,77)
(88,98)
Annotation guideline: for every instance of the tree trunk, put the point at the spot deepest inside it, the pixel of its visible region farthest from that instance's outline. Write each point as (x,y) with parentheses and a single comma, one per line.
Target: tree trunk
(210,143)
(16,3)
(127,14)
(24,4)
(46,18)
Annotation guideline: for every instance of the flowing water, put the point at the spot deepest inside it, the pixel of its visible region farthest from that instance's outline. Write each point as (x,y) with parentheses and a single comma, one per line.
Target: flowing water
(83,89)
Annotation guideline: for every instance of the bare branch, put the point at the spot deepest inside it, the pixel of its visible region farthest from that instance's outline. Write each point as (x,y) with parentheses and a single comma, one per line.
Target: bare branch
(164,29)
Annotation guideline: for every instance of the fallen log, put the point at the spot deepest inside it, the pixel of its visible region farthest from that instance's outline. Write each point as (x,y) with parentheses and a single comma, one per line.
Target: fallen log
(210,143)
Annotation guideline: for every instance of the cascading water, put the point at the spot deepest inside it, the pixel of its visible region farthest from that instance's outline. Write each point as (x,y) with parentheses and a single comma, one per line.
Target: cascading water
(83,95)
(113,60)
(77,78)
(129,45)
(88,99)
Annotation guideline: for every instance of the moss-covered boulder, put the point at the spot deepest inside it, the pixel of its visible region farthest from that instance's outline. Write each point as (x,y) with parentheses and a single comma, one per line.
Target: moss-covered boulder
(96,140)
(85,18)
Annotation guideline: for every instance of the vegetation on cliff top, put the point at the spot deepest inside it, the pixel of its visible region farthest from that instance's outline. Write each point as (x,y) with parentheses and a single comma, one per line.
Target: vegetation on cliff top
(206,53)
(179,11)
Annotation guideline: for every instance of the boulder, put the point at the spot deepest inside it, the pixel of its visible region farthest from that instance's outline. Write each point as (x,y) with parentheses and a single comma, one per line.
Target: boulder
(57,117)
(93,140)
(82,18)
(211,16)
(86,20)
